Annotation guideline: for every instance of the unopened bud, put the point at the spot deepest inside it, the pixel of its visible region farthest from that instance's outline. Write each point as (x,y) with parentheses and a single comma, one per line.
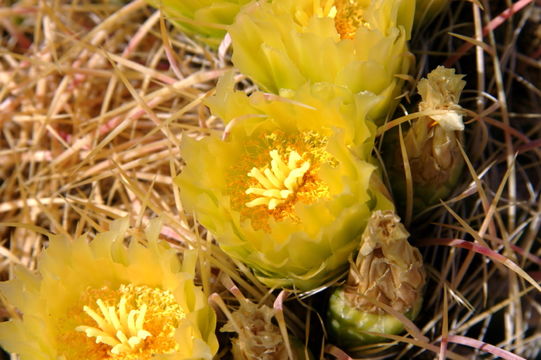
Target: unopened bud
(388,271)
(431,142)
(441,91)
(387,268)
(258,337)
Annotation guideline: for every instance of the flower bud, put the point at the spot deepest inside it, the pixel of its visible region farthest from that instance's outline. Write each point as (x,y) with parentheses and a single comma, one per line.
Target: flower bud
(258,338)
(431,142)
(389,271)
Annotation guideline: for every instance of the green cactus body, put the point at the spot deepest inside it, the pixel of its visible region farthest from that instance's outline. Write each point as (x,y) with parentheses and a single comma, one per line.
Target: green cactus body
(348,326)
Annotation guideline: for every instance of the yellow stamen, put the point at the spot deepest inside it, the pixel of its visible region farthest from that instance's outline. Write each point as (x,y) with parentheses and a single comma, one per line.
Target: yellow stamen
(113,326)
(329,9)
(257,198)
(325,8)
(279,182)
(132,322)
(332,12)
(320,9)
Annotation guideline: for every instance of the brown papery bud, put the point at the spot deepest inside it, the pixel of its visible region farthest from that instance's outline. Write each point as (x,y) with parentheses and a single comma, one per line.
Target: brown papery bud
(258,338)
(440,91)
(387,269)
(432,143)
(434,157)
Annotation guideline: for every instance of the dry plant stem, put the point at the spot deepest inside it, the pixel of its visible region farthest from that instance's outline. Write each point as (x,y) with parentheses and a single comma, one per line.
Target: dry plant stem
(422,344)
(157,98)
(279,309)
(409,181)
(492,254)
(125,54)
(513,321)
(59,104)
(479,129)
(168,50)
(508,143)
(487,347)
(477,236)
(493,24)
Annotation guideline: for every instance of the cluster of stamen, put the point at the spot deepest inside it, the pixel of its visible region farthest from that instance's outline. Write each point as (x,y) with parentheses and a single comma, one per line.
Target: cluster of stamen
(262,189)
(116,327)
(348,15)
(349,18)
(278,183)
(125,323)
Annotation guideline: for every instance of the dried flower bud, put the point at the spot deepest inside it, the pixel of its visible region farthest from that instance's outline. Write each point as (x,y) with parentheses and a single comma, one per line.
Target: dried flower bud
(433,156)
(431,142)
(258,338)
(388,270)
(441,91)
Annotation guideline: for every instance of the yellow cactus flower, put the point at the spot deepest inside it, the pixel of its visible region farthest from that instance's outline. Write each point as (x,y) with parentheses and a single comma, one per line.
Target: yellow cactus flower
(205,19)
(288,191)
(105,301)
(361,45)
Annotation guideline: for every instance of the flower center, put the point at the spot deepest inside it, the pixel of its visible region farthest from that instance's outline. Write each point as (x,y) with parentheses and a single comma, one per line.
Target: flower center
(278,183)
(261,189)
(118,328)
(132,322)
(349,17)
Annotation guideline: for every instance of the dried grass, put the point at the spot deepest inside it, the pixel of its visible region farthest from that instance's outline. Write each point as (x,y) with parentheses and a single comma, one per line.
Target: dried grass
(95,97)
